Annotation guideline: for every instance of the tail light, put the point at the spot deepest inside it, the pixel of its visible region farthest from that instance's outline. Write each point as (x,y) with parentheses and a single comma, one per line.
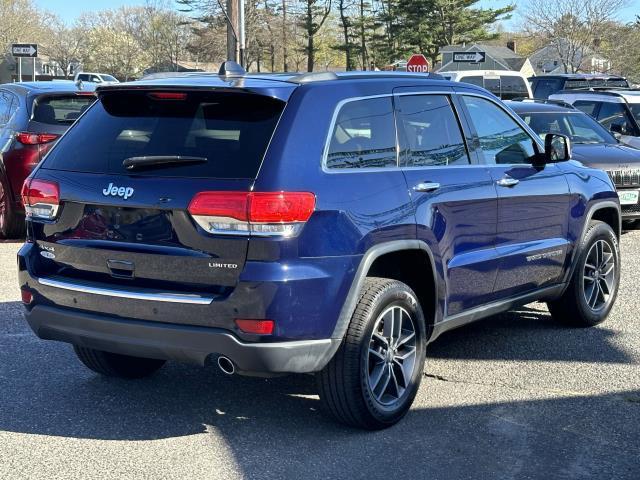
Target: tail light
(253,213)
(41,198)
(27,138)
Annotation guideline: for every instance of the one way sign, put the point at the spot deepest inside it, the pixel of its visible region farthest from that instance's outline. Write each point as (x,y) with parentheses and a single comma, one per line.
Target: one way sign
(469,57)
(24,50)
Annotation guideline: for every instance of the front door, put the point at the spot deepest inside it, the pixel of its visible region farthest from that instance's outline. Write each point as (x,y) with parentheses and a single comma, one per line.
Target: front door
(533,202)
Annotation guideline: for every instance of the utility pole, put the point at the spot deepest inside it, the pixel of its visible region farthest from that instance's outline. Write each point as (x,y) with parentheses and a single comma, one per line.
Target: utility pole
(285,60)
(233,52)
(241,33)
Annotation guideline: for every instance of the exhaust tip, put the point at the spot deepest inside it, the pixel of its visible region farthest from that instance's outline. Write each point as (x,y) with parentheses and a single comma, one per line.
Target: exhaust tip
(226,365)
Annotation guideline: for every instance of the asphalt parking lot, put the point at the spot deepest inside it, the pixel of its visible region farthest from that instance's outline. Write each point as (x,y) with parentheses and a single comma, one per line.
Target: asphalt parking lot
(513,397)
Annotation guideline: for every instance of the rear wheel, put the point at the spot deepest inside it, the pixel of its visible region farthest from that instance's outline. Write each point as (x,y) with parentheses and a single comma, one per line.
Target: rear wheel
(116,365)
(11,223)
(373,378)
(594,285)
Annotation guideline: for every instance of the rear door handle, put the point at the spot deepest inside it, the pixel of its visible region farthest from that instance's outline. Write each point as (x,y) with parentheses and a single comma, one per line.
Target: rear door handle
(426,187)
(508,181)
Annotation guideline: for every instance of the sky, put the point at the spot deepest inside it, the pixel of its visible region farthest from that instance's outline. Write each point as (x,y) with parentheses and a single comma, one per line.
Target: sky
(69,10)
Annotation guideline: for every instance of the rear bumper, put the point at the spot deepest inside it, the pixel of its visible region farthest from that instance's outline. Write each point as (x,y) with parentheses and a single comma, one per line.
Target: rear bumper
(178,342)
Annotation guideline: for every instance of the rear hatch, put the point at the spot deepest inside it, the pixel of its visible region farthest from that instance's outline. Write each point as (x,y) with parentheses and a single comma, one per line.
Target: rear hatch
(127,174)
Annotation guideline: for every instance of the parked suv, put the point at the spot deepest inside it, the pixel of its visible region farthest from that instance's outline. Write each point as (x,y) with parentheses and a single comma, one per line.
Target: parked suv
(33,115)
(545,85)
(92,77)
(321,223)
(617,110)
(591,144)
(505,84)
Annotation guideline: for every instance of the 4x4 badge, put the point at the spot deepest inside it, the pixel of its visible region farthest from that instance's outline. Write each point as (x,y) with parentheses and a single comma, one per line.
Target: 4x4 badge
(114,191)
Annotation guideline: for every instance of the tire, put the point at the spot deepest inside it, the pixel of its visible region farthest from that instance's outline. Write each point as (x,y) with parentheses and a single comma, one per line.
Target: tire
(582,304)
(116,365)
(11,222)
(345,384)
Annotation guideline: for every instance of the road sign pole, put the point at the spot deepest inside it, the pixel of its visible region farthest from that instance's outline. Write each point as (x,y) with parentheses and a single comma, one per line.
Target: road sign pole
(19,69)
(33,75)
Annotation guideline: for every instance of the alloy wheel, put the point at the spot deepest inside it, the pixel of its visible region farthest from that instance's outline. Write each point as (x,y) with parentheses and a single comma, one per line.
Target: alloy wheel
(599,275)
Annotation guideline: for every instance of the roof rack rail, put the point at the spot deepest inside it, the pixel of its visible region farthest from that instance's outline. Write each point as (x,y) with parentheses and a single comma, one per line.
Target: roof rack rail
(549,101)
(357,75)
(314,77)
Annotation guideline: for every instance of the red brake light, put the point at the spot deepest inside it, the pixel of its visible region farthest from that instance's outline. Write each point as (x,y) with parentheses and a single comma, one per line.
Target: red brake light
(257,327)
(27,138)
(261,213)
(26,295)
(168,96)
(41,198)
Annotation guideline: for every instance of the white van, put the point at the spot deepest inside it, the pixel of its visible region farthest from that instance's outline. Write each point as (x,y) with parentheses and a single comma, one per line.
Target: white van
(505,84)
(103,78)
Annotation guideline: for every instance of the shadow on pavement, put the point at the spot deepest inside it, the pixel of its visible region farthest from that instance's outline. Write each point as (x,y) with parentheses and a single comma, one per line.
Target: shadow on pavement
(275,430)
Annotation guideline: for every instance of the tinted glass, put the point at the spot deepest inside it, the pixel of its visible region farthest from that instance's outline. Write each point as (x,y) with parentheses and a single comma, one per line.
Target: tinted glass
(493,85)
(61,110)
(502,140)
(587,107)
(230,131)
(473,80)
(5,106)
(364,135)
(109,78)
(513,87)
(83,77)
(579,127)
(429,132)
(635,111)
(545,87)
(613,113)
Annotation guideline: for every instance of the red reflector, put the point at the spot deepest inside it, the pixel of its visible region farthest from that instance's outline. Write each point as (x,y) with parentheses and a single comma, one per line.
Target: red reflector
(255,207)
(168,96)
(257,327)
(36,191)
(27,297)
(27,138)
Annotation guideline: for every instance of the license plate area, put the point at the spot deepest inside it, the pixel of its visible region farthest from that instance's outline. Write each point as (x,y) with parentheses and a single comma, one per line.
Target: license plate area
(629,197)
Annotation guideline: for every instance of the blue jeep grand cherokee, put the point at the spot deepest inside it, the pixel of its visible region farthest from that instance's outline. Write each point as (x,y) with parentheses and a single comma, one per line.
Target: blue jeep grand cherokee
(321,223)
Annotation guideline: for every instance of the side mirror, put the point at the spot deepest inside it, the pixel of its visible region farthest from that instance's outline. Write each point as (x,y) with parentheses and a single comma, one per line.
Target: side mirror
(617,129)
(557,148)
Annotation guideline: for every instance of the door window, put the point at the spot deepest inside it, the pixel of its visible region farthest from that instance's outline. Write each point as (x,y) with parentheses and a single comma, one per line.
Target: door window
(364,135)
(614,114)
(429,132)
(502,140)
(5,107)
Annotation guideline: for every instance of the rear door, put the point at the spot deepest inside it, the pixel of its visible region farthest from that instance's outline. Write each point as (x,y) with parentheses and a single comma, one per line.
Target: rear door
(533,201)
(130,225)
(455,201)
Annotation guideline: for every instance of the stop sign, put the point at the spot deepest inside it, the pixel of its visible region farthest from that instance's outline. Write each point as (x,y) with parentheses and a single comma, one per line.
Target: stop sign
(418,63)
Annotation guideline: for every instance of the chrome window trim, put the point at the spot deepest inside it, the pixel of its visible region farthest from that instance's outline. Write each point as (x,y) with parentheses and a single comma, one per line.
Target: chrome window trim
(192,299)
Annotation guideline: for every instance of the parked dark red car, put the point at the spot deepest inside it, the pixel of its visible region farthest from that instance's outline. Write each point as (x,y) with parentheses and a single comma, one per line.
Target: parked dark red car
(33,115)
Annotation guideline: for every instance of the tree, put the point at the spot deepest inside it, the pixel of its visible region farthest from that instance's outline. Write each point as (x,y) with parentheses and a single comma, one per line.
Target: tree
(314,14)
(572,27)
(63,45)
(345,8)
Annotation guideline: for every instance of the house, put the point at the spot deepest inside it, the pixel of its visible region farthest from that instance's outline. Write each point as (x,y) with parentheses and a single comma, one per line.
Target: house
(45,69)
(548,60)
(496,58)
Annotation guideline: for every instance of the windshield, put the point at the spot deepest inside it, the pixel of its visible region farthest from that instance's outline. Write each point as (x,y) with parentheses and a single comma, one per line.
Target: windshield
(578,126)
(635,111)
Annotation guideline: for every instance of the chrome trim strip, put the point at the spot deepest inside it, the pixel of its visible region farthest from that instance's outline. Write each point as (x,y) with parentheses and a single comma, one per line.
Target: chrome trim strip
(191,299)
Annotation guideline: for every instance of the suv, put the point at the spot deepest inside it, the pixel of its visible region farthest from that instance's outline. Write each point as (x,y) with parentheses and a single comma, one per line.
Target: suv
(32,117)
(505,84)
(90,77)
(591,144)
(323,223)
(616,110)
(545,85)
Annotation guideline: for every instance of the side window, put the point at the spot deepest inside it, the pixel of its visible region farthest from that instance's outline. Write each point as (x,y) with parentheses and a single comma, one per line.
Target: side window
(364,135)
(502,140)
(5,107)
(473,80)
(429,132)
(614,114)
(83,77)
(588,107)
(513,87)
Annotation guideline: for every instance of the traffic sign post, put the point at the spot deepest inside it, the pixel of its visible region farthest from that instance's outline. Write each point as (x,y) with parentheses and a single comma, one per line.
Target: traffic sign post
(469,57)
(418,63)
(22,50)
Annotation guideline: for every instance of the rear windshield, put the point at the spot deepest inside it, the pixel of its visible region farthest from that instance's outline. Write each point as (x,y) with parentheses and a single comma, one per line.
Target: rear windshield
(61,110)
(229,132)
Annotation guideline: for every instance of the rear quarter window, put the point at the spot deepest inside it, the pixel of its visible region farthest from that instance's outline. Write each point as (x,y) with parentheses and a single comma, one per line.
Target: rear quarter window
(231,131)
(61,109)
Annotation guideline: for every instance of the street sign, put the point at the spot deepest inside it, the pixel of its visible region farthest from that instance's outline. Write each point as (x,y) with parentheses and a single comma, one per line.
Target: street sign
(418,64)
(469,57)
(24,50)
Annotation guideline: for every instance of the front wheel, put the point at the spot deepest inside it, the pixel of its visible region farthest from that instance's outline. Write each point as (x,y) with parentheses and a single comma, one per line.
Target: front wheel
(593,288)
(373,378)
